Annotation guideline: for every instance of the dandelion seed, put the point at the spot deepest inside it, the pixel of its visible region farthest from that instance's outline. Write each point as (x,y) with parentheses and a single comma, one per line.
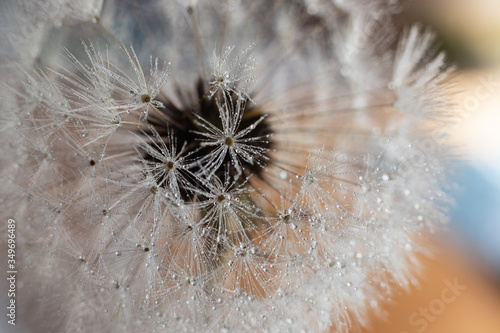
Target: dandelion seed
(229,76)
(240,145)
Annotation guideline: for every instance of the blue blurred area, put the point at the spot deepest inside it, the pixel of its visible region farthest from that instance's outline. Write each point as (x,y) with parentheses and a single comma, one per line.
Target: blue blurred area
(477,211)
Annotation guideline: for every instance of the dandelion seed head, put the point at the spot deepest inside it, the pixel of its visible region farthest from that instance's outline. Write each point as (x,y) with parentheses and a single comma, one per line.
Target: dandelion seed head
(258,175)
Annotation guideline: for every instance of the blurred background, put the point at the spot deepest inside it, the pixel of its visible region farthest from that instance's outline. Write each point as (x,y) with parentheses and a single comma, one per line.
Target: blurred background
(459,289)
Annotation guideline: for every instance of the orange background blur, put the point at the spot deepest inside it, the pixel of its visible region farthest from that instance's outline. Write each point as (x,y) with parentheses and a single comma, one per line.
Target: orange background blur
(470,32)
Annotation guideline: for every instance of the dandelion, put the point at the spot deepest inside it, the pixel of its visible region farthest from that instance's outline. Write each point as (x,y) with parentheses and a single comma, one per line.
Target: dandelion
(274,184)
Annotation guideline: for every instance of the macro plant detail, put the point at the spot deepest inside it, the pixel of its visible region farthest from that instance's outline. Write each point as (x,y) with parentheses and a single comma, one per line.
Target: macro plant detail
(219,165)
